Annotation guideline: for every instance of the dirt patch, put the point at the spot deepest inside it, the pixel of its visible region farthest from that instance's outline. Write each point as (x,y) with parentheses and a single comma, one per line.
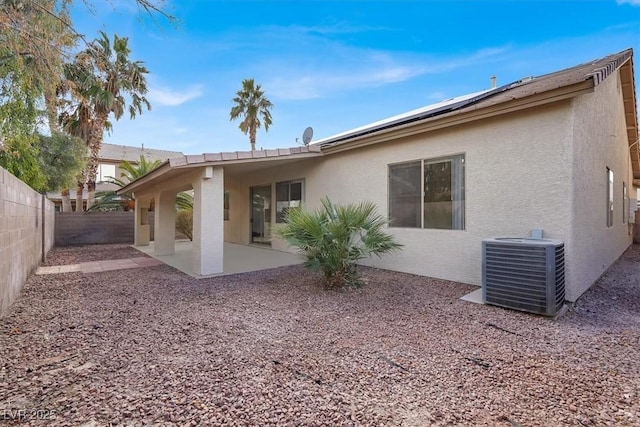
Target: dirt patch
(273,348)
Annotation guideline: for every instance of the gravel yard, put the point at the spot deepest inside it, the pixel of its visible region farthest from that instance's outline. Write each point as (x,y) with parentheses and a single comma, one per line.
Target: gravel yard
(154,346)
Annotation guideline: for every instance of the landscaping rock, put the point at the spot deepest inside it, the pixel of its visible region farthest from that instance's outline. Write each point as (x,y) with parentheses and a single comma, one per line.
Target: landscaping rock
(274,348)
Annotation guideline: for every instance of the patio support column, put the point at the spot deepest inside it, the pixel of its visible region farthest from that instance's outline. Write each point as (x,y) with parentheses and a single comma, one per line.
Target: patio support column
(208,221)
(141,225)
(165,223)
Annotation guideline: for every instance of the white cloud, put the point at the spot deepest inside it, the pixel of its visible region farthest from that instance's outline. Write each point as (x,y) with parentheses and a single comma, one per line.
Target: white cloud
(171,98)
(631,2)
(353,69)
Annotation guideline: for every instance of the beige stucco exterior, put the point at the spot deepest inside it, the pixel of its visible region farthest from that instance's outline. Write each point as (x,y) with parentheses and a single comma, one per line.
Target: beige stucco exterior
(534,162)
(539,168)
(599,141)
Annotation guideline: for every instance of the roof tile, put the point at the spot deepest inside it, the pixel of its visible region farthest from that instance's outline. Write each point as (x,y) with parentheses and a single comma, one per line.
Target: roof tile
(244,155)
(195,158)
(178,161)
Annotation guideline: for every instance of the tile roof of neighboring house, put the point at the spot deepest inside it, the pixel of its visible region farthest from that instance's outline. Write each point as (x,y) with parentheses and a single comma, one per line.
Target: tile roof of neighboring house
(119,153)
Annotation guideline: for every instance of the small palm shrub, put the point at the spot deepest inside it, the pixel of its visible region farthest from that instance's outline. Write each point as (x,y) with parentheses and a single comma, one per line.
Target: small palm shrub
(335,237)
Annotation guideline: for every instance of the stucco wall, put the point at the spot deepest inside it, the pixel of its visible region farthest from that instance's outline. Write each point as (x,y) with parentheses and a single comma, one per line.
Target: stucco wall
(544,168)
(600,141)
(237,228)
(515,170)
(21,220)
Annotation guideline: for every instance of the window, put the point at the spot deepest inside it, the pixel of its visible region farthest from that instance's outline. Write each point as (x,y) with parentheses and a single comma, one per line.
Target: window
(226,206)
(105,171)
(609,197)
(404,194)
(288,195)
(625,202)
(427,194)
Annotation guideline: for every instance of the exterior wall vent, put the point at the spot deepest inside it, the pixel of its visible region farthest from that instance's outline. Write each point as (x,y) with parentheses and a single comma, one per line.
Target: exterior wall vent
(524,274)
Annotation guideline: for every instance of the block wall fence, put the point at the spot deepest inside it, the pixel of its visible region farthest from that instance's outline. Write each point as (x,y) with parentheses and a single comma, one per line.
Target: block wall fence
(79,228)
(26,234)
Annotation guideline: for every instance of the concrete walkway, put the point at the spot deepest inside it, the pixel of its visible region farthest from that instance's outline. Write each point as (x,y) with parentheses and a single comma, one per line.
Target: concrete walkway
(98,266)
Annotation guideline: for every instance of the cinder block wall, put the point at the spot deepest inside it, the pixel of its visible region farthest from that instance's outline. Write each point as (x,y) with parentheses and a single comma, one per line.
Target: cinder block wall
(21,234)
(78,228)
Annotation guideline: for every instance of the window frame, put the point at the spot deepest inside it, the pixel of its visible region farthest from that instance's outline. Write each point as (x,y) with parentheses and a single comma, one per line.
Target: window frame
(225,204)
(101,176)
(458,174)
(610,199)
(280,218)
(625,202)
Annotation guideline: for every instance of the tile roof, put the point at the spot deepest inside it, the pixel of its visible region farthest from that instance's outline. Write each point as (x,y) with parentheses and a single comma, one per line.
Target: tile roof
(235,156)
(119,153)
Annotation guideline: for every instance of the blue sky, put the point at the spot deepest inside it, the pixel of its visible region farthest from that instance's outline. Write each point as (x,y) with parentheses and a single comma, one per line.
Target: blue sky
(339,65)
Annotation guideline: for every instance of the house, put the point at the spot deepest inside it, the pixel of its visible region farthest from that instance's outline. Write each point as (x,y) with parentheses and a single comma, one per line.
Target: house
(557,153)
(110,158)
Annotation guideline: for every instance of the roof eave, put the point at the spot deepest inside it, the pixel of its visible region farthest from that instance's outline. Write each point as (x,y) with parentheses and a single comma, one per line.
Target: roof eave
(134,185)
(631,115)
(465,115)
(198,161)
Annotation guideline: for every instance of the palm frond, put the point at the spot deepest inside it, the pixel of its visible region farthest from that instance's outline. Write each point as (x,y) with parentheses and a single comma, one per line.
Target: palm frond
(335,237)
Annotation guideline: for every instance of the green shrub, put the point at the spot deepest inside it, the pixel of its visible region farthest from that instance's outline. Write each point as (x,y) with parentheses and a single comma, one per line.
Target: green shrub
(335,237)
(184,222)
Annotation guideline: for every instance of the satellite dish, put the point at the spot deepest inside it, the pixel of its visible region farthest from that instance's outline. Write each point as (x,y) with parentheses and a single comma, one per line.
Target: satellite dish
(307,135)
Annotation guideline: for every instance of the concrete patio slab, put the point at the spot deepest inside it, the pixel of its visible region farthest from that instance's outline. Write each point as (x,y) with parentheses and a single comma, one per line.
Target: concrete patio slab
(237,258)
(99,266)
(474,297)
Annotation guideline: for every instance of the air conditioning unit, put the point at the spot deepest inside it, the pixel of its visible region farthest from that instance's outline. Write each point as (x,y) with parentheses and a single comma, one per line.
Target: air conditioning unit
(524,274)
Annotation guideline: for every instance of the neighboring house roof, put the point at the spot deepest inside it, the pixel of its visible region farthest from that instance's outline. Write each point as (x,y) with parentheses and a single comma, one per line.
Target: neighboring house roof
(525,93)
(118,153)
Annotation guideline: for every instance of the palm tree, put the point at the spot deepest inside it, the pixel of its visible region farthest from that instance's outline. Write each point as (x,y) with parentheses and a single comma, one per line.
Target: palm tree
(251,104)
(76,123)
(109,200)
(132,172)
(102,76)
